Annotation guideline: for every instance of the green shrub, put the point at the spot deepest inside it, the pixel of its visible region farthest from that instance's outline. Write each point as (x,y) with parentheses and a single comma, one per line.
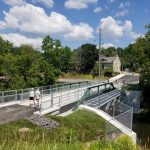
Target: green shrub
(108,72)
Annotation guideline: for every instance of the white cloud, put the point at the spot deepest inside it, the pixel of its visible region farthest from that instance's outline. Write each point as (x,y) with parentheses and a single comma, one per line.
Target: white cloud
(80,32)
(18,40)
(2,25)
(111,29)
(14,2)
(123,5)
(48,3)
(78,4)
(112,1)
(134,35)
(127,27)
(97,9)
(107,45)
(122,13)
(123,9)
(34,20)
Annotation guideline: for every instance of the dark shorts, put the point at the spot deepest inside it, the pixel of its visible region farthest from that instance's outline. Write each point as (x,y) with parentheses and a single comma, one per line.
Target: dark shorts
(31,98)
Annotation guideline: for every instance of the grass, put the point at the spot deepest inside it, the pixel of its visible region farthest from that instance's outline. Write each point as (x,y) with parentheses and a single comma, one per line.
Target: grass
(81,76)
(132,87)
(79,131)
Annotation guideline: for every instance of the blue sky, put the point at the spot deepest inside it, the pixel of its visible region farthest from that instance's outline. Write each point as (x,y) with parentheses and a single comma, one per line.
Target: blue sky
(74,22)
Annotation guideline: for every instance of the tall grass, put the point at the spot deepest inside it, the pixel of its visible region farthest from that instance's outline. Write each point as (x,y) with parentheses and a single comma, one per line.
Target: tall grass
(79,131)
(81,76)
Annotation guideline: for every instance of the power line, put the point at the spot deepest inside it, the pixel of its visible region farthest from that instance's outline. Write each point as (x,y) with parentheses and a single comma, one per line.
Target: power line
(2,25)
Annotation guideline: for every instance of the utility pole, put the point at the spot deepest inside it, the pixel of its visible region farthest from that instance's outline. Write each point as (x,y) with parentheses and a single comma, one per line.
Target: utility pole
(100,41)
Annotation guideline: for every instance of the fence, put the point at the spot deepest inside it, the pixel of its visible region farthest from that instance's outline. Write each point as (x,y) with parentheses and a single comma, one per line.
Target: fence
(23,94)
(61,99)
(122,114)
(118,83)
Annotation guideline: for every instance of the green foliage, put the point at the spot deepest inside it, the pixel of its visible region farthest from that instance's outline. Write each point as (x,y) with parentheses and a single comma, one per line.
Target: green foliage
(95,70)
(80,126)
(132,87)
(9,70)
(86,56)
(79,131)
(5,46)
(24,66)
(143,45)
(109,52)
(108,72)
(77,76)
(55,54)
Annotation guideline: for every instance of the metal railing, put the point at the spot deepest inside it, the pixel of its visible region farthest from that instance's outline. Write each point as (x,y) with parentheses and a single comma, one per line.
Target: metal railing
(117,111)
(23,94)
(118,83)
(102,98)
(61,99)
(120,112)
(122,115)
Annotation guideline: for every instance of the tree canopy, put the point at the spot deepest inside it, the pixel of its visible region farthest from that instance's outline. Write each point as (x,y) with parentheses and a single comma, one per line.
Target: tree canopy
(24,66)
(86,56)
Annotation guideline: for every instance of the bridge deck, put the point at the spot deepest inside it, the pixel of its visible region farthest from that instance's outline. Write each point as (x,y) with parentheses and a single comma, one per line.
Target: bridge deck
(103,99)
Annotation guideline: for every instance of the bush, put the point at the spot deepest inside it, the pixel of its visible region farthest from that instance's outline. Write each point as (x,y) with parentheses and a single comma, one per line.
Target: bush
(108,72)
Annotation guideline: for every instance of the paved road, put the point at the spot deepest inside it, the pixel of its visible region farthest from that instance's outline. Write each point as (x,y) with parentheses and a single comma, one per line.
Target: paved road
(15,112)
(129,79)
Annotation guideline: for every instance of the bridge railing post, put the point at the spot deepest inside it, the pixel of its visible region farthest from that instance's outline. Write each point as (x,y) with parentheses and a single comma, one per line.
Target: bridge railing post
(40,104)
(51,100)
(114,111)
(78,94)
(16,95)
(2,97)
(131,118)
(59,101)
(22,95)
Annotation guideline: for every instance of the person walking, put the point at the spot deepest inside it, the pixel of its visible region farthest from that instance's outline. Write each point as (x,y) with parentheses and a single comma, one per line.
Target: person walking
(31,98)
(37,96)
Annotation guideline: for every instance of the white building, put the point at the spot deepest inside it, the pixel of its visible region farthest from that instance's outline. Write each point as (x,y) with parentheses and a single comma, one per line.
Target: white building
(111,62)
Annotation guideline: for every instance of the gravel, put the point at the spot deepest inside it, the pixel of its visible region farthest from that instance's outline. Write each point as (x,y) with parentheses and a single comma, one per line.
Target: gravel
(42,121)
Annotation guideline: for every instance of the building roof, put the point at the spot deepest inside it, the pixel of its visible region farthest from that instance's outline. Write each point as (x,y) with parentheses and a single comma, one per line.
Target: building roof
(104,59)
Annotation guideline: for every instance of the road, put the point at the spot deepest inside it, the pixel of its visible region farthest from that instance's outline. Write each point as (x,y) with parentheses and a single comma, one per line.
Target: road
(129,79)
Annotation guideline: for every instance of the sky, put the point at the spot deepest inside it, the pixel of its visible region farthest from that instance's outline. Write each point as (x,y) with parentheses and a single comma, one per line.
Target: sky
(74,22)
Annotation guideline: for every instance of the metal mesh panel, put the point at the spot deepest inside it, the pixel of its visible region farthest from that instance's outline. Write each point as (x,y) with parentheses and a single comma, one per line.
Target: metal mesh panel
(119,113)
(61,99)
(111,132)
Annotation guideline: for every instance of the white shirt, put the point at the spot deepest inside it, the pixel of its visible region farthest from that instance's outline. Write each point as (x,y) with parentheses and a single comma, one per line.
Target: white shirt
(37,94)
(32,94)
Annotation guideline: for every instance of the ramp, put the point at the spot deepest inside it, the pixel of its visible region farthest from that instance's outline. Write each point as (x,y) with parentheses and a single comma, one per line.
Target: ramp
(15,112)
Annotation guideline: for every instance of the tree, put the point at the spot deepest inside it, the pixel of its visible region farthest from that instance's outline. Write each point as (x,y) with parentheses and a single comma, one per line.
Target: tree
(87,55)
(56,54)
(142,54)
(109,52)
(65,59)
(5,46)
(10,71)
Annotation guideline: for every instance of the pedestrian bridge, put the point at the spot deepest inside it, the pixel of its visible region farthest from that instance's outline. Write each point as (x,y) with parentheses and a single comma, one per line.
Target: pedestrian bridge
(100,97)
(60,95)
